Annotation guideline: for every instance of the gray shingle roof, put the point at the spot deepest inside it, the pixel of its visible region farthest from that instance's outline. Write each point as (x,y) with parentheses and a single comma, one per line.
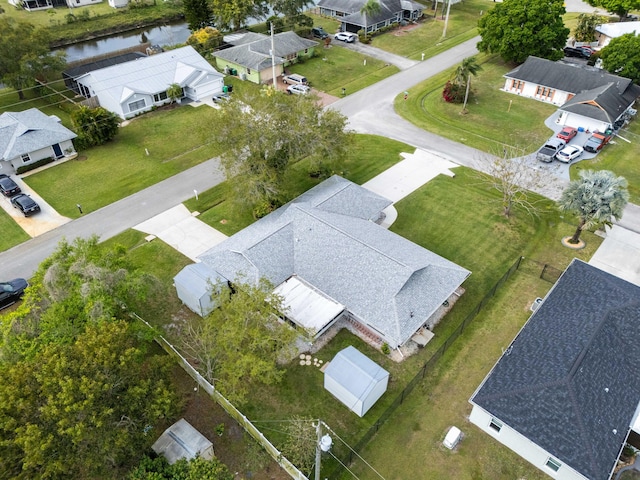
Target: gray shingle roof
(388,9)
(604,103)
(569,379)
(566,77)
(325,236)
(255,52)
(28,131)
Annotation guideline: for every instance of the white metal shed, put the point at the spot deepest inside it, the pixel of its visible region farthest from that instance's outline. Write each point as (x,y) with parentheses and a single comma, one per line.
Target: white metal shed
(182,440)
(355,380)
(194,285)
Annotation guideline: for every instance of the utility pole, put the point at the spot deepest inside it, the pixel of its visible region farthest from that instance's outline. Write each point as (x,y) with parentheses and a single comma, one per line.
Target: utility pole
(273,59)
(323,444)
(446,19)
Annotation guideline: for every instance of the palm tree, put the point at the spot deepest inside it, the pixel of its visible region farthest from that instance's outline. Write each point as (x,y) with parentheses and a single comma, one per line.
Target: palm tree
(174,92)
(468,67)
(594,199)
(370,8)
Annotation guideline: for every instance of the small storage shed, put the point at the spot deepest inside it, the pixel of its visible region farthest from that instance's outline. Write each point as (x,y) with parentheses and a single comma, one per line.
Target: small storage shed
(182,440)
(194,285)
(355,380)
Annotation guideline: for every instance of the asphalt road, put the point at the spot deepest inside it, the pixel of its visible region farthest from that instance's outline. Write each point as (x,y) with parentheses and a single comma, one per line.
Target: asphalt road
(23,260)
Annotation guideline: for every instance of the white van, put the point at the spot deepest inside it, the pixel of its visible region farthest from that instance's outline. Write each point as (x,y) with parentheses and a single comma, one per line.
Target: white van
(295,79)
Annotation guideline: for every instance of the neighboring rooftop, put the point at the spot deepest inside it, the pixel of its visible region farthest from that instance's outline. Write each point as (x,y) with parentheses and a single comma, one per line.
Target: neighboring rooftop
(566,77)
(617,29)
(28,131)
(569,381)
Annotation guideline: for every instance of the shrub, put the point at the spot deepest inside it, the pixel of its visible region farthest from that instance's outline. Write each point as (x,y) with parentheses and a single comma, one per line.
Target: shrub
(453,93)
(34,165)
(385,349)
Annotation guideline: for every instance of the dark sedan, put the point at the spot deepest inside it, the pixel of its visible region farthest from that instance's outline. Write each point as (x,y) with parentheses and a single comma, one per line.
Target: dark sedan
(11,291)
(25,204)
(8,187)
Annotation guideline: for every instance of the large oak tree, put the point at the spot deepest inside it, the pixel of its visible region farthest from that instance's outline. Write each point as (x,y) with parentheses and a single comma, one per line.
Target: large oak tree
(516,29)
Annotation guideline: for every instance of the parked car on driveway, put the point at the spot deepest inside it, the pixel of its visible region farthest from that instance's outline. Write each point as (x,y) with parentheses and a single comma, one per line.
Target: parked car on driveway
(319,32)
(221,97)
(569,153)
(346,37)
(567,134)
(298,89)
(295,79)
(11,291)
(576,52)
(8,187)
(597,140)
(25,204)
(549,149)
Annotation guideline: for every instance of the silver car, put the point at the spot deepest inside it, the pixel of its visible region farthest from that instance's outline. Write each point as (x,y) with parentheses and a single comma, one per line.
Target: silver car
(298,89)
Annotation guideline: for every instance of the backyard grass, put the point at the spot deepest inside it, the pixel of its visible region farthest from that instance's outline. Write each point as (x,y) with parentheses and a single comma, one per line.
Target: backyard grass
(494,118)
(336,68)
(620,157)
(368,156)
(426,37)
(54,101)
(104,174)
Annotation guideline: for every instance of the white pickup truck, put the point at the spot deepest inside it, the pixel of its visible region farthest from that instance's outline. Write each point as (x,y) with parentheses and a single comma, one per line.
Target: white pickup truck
(549,149)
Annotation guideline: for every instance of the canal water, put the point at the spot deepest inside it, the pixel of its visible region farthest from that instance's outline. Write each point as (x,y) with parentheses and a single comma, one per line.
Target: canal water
(170,34)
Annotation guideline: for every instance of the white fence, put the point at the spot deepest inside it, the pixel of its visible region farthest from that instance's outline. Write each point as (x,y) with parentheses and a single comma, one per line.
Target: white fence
(233,412)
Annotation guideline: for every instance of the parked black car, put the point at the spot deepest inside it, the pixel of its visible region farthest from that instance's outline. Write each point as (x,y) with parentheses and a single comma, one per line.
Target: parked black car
(319,32)
(576,52)
(8,187)
(11,291)
(25,204)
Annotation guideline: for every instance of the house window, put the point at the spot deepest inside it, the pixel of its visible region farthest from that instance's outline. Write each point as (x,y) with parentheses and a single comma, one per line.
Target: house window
(248,71)
(545,93)
(137,105)
(158,97)
(553,464)
(495,424)
(517,85)
(292,56)
(306,50)
(25,158)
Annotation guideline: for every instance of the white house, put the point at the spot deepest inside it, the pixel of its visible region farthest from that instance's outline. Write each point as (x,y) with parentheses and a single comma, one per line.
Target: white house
(81,3)
(131,88)
(608,31)
(29,136)
(588,97)
(356,380)
(118,3)
(565,394)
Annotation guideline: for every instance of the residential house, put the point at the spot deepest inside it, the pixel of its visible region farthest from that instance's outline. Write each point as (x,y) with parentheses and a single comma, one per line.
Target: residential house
(608,31)
(565,393)
(81,3)
(351,20)
(35,5)
(131,88)
(118,3)
(344,265)
(29,136)
(250,55)
(589,98)
(78,70)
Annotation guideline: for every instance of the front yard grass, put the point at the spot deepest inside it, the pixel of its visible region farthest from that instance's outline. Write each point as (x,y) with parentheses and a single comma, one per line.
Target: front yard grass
(336,68)
(102,175)
(426,37)
(368,156)
(494,118)
(620,157)
(12,233)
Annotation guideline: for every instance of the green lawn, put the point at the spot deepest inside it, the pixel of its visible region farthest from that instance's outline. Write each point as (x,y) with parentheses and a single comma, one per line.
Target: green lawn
(104,174)
(336,68)
(494,118)
(427,36)
(620,157)
(51,103)
(368,156)
(12,233)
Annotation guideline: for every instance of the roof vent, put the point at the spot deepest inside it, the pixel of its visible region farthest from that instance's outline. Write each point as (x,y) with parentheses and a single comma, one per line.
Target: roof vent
(615,432)
(606,389)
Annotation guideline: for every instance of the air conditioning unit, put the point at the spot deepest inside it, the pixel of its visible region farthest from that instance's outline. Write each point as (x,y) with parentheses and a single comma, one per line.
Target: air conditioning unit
(243,76)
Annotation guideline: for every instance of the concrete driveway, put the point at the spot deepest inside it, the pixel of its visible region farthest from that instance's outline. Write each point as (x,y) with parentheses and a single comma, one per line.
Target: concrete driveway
(619,254)
(37,224)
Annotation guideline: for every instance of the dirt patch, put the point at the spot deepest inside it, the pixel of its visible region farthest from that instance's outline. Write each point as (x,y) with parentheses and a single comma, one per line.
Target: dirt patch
(404,29)
(232,445)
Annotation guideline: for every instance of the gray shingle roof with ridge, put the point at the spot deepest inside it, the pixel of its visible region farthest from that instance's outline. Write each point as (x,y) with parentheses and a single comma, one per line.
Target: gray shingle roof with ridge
(28,131)
(569,380)
(384,279)
(604,103)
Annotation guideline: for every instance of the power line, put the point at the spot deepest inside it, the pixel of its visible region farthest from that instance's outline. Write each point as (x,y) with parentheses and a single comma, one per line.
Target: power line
(347,468)
(357,454)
